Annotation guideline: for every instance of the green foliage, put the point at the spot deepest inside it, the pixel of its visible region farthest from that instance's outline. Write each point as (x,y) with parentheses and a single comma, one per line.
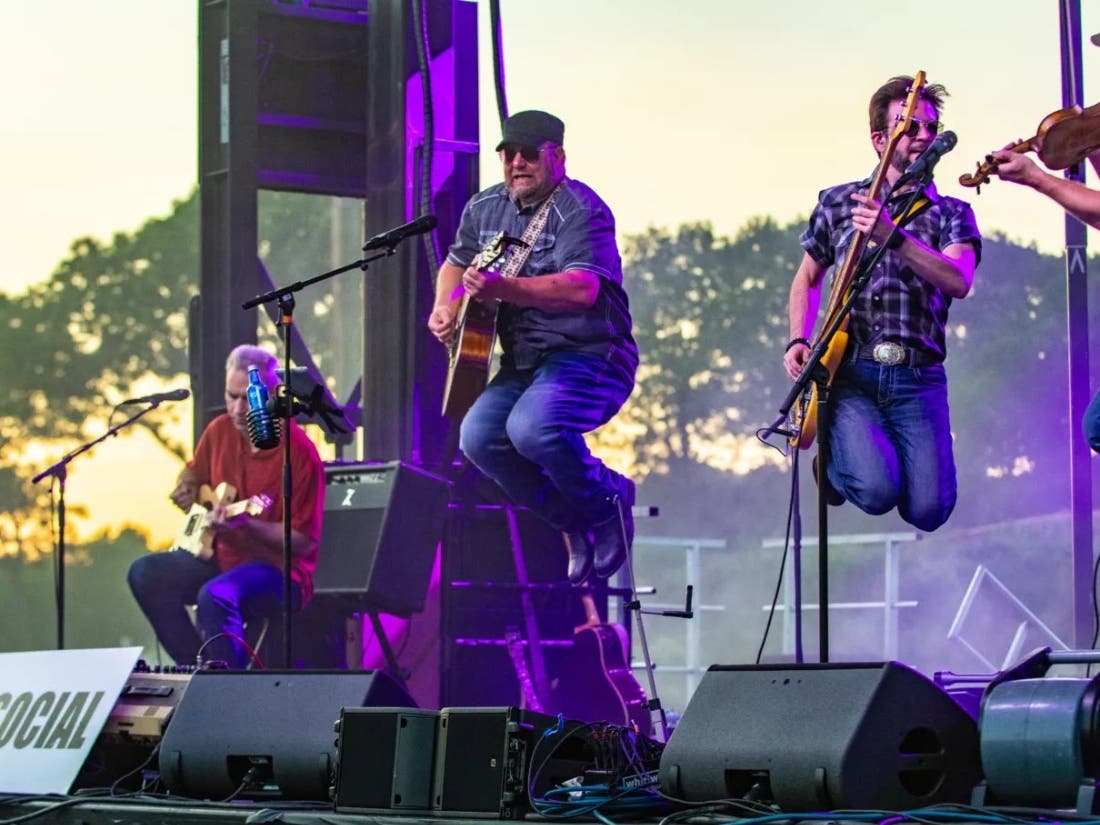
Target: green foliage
(711,323)
(99,610)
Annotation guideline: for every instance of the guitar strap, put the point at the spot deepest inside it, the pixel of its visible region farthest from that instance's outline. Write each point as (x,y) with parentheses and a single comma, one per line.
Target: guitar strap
(530,235)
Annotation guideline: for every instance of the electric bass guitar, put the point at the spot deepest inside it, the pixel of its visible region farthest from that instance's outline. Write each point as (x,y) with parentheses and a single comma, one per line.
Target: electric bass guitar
(196,536)
(471,354)
(803,418)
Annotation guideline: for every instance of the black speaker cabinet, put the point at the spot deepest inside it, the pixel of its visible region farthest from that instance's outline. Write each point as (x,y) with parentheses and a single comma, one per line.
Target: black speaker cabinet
(265,732)
(482,759)
(820,737)
(385,759)
(382,525)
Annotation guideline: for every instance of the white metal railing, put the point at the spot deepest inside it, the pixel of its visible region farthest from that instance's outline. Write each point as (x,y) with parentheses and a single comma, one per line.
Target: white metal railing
(890,604)
(1019,637)
(692,667)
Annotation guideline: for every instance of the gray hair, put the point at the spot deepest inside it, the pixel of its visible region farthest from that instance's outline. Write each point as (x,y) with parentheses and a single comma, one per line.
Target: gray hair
(246,355)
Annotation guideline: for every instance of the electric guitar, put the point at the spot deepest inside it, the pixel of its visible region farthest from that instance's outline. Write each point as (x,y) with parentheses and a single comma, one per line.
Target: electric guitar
(196,537)
(803,418)
(471,354)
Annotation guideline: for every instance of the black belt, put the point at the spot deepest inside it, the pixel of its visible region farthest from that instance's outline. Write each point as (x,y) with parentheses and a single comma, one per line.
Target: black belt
(891,354)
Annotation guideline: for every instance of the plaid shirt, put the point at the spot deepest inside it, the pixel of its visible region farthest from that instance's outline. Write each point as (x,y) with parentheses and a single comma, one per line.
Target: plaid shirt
(896,304)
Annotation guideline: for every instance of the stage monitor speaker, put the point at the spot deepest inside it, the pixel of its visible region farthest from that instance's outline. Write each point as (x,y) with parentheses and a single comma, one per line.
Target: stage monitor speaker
(382,525)
(265,732)
(822,737)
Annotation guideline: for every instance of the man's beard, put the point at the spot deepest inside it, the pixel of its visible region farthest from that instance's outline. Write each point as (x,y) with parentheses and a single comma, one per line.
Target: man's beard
(900,161)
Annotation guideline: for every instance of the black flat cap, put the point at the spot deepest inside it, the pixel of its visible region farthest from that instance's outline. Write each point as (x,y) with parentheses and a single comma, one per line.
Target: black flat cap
(532,128)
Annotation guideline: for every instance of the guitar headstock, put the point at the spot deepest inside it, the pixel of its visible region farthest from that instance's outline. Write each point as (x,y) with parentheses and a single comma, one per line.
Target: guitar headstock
(909,109)
(494,250)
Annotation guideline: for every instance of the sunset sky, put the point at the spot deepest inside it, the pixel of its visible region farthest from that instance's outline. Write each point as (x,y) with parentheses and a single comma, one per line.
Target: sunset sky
(715,110)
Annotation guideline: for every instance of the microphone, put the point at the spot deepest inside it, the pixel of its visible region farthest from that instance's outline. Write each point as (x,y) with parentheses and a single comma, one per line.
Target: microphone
(928,159)
(425,223)
(158,397)
(263,430)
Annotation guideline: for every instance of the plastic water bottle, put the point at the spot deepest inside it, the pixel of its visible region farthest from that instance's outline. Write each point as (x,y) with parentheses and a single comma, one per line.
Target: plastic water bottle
(262,429)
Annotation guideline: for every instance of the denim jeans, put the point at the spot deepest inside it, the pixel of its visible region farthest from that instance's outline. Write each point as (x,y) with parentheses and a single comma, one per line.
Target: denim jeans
(164,584)
(890,436)
(1091,423)
(526,433)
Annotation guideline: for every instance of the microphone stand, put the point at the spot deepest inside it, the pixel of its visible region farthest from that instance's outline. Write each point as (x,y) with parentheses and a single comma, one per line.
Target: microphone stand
(816,372)
(285,297)
(59,470)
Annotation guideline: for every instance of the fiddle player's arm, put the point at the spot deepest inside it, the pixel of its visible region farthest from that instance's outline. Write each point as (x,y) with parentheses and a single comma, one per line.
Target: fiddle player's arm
(805,298)
(1076,198)
(951,269)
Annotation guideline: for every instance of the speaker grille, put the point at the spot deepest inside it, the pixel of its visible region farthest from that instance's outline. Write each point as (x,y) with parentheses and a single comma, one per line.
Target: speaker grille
(382,525)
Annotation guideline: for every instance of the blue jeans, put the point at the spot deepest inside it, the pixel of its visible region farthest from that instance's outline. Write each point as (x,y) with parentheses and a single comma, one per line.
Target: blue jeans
(164,584)
(1091,423)
(526,433)
(890,436)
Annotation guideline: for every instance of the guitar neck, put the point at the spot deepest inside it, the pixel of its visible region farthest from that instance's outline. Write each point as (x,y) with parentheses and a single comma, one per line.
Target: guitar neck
(523,675)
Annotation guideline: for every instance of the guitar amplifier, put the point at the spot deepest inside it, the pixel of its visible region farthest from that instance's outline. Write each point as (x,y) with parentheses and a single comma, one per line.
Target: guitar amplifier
(383,523)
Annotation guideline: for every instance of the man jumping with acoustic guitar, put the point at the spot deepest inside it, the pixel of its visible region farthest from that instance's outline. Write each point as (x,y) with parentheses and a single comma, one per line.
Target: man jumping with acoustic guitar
(890,430)
(568,354)
(242,580)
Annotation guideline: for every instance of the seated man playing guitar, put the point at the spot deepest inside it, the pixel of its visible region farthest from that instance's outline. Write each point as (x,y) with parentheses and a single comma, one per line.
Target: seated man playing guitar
(568,354)
(243,578)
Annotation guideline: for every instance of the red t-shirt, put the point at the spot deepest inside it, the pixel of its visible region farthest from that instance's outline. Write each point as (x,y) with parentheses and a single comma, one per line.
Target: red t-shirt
(224,454)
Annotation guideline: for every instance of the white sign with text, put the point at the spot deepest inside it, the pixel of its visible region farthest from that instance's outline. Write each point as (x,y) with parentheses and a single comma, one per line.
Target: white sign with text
(53,704)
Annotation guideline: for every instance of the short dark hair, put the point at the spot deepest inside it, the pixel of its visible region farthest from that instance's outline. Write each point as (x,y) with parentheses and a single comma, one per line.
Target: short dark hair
(897,88)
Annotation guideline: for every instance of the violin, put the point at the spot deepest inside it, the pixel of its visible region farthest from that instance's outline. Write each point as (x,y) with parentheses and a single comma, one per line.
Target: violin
(1063,138)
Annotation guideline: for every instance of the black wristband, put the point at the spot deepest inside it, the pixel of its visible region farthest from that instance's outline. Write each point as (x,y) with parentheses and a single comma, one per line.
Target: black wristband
(896,241)
(795,341)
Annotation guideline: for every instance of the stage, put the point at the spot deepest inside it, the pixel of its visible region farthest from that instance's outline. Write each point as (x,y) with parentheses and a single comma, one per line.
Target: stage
(96,810)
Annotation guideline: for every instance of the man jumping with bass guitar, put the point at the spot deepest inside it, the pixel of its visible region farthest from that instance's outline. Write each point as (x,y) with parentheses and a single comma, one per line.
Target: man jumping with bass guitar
(890,430)
(568,354)
(243,580)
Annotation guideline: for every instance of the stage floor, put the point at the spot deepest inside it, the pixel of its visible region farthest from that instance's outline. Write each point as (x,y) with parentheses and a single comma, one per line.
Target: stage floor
(89,810)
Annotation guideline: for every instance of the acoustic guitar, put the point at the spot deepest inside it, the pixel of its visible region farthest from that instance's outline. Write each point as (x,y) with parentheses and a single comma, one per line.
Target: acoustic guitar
(195,536)
(803,419)
(471,354)
(608,692)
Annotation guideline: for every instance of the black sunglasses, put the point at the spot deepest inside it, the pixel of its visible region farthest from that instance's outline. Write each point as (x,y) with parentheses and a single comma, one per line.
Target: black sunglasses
(528,153)
(934,127)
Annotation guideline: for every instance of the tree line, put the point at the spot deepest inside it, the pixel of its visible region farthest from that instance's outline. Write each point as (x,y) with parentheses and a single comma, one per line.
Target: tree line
(710,320)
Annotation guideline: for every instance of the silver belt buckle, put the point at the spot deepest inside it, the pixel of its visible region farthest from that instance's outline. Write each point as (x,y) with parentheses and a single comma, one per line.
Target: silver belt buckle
(889,354)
